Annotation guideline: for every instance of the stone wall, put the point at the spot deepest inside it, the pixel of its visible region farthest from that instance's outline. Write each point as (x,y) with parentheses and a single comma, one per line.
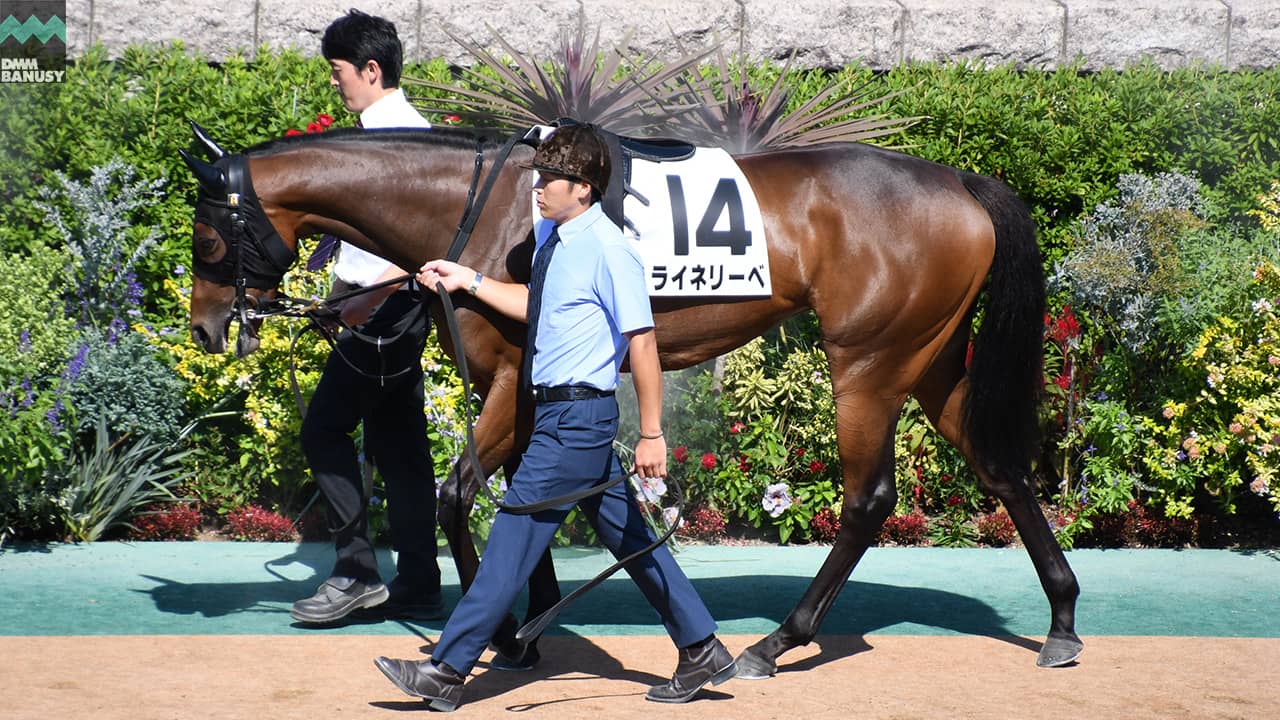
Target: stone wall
(828,33)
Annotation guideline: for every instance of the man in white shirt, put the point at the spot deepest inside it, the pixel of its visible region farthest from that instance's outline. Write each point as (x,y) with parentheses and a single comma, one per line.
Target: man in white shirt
(365,56)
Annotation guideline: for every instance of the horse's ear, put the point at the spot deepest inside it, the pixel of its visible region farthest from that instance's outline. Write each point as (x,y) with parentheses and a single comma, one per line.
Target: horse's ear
(210,146)
(209,176)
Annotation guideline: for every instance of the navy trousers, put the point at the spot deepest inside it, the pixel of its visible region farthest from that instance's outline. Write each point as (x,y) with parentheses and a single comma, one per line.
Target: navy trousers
(395,436)
(571,449)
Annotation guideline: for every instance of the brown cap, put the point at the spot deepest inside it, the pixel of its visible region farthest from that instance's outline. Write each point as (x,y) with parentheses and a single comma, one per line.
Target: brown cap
(577,152)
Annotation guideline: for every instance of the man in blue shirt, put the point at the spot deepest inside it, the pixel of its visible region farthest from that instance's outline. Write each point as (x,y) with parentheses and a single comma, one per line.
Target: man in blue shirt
(587,307)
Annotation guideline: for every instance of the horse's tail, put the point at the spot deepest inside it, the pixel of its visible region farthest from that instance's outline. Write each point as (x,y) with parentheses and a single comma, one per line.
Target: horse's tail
(1005,377)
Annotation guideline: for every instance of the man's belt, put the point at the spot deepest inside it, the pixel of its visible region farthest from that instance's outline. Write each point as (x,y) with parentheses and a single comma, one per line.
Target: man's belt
(566,393)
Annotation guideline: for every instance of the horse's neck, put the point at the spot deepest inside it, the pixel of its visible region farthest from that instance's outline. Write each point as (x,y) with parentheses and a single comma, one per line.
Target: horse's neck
(396,200)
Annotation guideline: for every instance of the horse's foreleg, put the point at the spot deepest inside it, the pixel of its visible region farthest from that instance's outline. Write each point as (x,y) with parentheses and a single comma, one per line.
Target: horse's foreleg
(495,439)
(941,396)
(870,494)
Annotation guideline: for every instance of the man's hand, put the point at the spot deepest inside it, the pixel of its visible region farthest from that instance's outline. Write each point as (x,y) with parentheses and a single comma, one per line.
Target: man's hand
(453,276)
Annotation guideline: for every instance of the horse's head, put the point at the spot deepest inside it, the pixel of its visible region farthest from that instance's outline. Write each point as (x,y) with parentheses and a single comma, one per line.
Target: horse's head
(238,256)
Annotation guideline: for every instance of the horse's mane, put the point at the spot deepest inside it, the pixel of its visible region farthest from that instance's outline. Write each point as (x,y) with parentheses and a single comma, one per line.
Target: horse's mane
(450,137)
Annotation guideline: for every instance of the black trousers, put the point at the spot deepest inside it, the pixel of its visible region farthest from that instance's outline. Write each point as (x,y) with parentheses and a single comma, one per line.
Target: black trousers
(395,437)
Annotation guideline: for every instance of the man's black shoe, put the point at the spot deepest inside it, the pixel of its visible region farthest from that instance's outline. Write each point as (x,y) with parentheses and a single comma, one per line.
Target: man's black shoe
(527,660)
(439,685)
(710,663)
(336,598)
(406,603)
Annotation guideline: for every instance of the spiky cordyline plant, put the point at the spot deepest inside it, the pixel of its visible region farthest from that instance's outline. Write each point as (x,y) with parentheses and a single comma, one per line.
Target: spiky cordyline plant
(731,113)
(582,83)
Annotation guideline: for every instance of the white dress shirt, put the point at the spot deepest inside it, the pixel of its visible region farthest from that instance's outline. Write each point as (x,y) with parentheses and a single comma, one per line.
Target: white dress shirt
(392,110)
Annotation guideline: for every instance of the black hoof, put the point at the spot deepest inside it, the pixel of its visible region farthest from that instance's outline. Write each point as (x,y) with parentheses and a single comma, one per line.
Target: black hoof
(1059,651)
(754,667)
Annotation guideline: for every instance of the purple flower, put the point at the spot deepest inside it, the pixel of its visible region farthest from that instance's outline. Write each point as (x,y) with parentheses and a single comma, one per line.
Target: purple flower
(179,269)
(24,341)
(76,366)
(54,416)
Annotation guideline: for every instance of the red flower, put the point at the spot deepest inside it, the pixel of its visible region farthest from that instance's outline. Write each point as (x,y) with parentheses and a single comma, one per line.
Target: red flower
(709,461)
(799,452)
(291,132)
(452,119)
(325,119)
(736,428)
(954,501)
(743,465)
(681,453)
(816,467)
(314,127)
(1065,327)
(1063,381)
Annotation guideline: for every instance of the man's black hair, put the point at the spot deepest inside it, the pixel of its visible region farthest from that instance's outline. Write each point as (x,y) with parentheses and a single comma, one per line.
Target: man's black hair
(358,37)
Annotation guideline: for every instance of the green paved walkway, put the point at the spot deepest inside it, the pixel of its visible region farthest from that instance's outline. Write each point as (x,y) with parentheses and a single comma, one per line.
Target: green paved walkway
(223,588)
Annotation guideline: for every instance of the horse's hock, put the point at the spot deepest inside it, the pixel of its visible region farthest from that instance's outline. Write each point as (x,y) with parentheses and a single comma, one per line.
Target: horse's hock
(825,33)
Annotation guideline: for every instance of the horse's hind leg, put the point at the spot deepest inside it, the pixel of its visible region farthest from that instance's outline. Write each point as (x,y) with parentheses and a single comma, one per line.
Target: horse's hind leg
(941,395)
(865,430)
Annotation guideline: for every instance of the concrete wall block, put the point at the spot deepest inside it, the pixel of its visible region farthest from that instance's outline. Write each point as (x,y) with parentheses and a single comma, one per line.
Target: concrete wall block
(823,33)
(1173,34)
(288,24)
(649,28)
(214,33)
(1255,33)
(1027,33)
(77,21)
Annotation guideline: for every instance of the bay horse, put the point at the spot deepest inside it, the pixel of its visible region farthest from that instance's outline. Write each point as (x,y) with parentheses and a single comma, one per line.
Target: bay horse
(890,251)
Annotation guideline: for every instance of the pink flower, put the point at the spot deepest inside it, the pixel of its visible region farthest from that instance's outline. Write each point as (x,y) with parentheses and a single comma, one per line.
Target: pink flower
(736,428)
(709,461)
(1235,428)
(681,453)
(1168,413)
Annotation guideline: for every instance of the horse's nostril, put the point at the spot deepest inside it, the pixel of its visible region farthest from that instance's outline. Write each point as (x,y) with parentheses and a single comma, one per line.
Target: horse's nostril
(199,335)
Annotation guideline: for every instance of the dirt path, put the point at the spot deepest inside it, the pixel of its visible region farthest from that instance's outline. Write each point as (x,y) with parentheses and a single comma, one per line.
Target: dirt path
(878,677)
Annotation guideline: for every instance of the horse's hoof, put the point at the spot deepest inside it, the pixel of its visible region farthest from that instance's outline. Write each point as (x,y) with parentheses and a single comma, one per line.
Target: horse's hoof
(1059,651)
(754,667)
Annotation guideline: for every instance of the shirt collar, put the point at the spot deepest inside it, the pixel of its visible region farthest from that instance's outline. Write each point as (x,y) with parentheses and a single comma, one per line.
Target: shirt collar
(383,109)
(581,224)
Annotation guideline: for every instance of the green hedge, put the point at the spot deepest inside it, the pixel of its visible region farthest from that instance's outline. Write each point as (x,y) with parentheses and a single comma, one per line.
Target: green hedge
(1061,139)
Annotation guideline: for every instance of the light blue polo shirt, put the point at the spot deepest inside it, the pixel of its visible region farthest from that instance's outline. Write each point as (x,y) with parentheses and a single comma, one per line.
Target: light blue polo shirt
(595,292)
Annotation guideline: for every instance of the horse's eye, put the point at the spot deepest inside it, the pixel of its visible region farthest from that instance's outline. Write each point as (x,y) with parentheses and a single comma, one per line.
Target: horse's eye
(208,248)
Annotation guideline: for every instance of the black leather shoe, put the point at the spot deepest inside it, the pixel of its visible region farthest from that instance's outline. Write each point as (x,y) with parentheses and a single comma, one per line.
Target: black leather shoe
(439,685)
(407,603)
(710,663)
(527,660)
(336,598)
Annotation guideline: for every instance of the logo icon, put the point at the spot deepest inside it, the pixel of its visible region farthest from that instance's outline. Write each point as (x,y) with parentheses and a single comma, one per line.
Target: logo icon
(33,41)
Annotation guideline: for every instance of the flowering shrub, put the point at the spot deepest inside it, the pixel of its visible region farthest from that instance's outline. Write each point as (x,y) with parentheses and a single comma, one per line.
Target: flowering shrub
(254,524)
(825,525)
(996,529)
(172,521)
(703,523)
(1225,439)
(909,529)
